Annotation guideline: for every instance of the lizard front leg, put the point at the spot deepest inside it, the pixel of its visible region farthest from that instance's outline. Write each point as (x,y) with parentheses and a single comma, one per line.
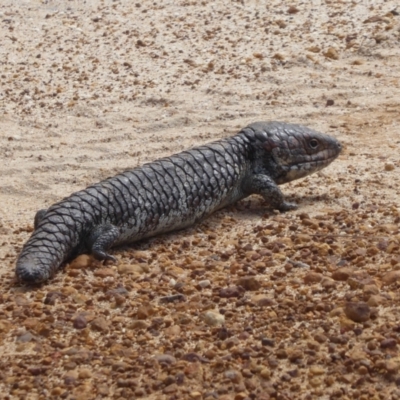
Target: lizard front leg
(269,190)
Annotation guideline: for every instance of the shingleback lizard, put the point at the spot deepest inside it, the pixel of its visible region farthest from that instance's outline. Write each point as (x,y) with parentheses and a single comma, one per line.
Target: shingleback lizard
(172,193)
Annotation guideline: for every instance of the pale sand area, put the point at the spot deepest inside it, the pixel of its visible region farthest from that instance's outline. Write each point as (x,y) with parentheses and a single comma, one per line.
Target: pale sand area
(92,88)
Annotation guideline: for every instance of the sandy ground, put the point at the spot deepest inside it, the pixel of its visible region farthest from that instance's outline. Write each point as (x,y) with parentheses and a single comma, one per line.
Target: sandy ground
(302,305)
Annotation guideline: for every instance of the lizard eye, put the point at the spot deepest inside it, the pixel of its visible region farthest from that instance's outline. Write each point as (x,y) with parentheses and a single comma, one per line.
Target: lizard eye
(313,143)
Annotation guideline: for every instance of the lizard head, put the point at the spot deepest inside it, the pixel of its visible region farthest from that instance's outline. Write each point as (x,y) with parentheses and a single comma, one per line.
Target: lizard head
(292,151)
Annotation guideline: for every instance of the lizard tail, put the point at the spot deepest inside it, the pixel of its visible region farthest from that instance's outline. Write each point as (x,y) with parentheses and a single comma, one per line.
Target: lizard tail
(50,245)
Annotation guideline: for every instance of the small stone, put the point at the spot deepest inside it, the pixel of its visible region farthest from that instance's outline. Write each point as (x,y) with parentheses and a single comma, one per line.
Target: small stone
(195,395)
(120,291)
(312,277)
(174,298)
(165,359)
(82,261)
(131,269)
(327,283)
(391,277)
(389,166)
(5,326)
(315,382)
(293,10)
(25,337)
(342,274)
(57,391)
(173,330)
(100,324)
(370,290)
(265,373)
(375,300)
(362,370)
(392,366)
(316,370)
(332,54)
(80,322)
(204,284)
(233,375)
(357,311)
(320,338)
(85,373)
(172,388)
(70,378)
(139,324)
(104,272)
(295,354)
(389,343)
(313,345)
(21,300)
(51,298)
(212,318)
(30,323)
(145,311)
(261,300)
(330,103)
(267,342)
(346,324)
(249,283)
(231,291)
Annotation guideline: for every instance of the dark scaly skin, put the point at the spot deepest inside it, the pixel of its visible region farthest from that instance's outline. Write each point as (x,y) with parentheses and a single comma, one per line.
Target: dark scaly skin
(173,193)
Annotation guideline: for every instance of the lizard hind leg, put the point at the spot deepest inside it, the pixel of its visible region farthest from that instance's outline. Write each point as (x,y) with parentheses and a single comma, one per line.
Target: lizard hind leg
(101,239)
(38,217)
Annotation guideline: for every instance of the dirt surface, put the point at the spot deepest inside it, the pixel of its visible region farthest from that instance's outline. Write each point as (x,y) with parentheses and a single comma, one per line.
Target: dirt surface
(301,305)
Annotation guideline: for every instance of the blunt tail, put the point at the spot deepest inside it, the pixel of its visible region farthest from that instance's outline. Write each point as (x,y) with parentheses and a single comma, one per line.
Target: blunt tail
(50,244)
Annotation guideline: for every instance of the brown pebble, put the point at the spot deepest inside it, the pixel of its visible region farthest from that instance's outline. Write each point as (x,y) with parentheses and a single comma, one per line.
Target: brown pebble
(231,291)
(312,277)
(370,289)
(165,359)
(342,274)
(295,355)
(332,54)
(357,311)
(173,330)
(233,375)
(104,272)
(392,366)
(85,373)
(389,343)
(375,300)
(328,283)
(145,311)
(320,338)
(131,269)
(293,10)
(316,370)
(391,277)
(70,378)
(265,373)
(249,283)
(100,324)
(362,370)
(261,300)
(139,324)
(82,261)
(21,300)
(80,322)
